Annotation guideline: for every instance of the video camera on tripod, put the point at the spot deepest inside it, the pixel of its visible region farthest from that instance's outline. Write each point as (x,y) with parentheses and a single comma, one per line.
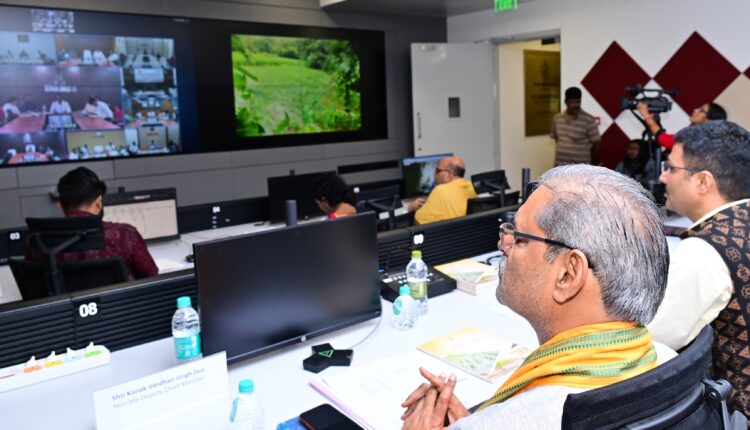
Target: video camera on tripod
(658,103)
(655,99)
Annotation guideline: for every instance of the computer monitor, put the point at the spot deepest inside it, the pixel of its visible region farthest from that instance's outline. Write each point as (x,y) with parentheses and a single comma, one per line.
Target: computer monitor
(293,187)
(152,212)
(266,290)
(419,173)
(490,182)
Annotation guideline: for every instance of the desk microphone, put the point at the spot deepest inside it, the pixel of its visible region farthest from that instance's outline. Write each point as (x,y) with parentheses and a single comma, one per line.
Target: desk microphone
(291,213)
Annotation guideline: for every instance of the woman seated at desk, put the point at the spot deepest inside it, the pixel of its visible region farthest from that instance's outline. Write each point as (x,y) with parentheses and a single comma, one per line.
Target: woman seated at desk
(334,197)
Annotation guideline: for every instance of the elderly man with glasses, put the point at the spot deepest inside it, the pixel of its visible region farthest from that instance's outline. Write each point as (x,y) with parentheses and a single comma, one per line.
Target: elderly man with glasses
(450,196)
(587,267)
(707,178)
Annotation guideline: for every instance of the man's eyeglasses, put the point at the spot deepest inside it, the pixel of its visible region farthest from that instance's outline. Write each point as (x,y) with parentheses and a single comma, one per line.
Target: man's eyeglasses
(509,236)
(438,170)
(666,167)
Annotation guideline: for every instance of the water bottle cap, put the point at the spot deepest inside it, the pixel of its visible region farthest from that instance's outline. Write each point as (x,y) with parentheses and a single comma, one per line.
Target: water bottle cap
(247,386)
(183,302)
(404,290)
(416,254)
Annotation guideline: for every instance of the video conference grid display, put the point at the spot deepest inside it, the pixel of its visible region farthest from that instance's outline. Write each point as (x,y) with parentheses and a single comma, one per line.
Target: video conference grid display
(72,96)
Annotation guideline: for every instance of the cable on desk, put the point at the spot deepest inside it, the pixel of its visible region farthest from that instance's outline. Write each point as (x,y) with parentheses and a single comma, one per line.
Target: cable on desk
(380,319)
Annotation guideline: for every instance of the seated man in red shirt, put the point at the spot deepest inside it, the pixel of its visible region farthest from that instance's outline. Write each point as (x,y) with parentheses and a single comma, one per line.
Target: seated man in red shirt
(81,194)
(700,115)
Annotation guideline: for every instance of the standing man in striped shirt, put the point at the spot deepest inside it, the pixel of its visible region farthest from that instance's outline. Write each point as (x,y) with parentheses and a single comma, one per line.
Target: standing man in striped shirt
(575,132)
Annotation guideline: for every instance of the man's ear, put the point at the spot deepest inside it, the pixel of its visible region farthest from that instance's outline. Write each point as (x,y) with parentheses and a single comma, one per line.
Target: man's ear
(59,206)
(705,181)
(572,275)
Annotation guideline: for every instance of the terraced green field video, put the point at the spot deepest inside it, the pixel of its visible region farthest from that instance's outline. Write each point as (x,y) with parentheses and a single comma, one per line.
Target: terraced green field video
(294,85)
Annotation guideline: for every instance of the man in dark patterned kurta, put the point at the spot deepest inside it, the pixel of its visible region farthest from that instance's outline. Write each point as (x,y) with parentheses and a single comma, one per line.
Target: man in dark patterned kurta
(707,178)
(81,194)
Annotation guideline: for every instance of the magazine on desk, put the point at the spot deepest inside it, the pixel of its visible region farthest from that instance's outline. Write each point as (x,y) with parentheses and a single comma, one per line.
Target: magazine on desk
(477,352)
(471,276)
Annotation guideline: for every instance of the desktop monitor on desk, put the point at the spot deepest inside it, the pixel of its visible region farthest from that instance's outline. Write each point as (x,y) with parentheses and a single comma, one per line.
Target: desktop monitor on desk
(293,187)
(419,173)
(152,212)
(267,290)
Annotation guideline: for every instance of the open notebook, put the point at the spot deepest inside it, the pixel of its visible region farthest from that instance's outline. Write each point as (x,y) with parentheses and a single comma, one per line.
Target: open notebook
(371,394)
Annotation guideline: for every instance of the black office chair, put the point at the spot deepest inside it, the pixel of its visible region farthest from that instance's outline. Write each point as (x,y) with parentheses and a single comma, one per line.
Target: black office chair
(77,275)
(382,199)
(674,395)
(481,204)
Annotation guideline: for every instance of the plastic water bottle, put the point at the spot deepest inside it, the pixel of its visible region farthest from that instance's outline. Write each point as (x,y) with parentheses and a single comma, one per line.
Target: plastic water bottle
(405,311)
(416,277)
(247,414)
(186,331)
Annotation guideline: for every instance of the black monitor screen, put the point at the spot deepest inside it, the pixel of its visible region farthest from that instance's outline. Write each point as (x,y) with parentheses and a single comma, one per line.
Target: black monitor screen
(265,290)
(419,174)
(293,187)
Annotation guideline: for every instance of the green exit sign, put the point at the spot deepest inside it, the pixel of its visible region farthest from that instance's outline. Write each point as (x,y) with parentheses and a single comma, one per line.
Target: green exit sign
(503,5)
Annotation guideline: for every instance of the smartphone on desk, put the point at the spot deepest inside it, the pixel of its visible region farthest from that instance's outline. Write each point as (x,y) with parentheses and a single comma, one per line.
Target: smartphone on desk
(326,417)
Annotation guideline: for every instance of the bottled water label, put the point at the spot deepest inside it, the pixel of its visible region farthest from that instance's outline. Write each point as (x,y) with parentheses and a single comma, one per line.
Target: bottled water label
(233,413)
(189,347)
(418,289)
(398,306)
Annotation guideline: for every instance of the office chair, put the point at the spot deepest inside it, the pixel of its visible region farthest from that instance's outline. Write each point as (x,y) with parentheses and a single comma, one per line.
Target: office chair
(77,275)
(50,236)
(674,395)
(382,199)
(481,204)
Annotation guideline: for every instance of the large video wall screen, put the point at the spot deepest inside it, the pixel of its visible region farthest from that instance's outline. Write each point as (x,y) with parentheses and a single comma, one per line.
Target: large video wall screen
(67,95)
(88,85)
(294,85)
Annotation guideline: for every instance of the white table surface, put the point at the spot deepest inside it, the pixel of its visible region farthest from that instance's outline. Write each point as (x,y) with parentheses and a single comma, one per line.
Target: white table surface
(281,383)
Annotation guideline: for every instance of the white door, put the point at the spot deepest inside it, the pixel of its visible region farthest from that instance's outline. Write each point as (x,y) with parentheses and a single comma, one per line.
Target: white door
(453,94)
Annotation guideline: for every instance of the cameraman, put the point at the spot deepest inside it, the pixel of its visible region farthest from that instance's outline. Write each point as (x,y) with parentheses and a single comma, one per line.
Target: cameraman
(701,115)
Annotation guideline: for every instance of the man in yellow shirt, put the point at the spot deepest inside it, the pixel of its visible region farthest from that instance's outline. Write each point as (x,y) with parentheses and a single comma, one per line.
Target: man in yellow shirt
(449,197)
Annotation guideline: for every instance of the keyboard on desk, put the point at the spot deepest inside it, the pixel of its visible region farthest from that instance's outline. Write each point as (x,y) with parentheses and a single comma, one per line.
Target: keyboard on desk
(437,284)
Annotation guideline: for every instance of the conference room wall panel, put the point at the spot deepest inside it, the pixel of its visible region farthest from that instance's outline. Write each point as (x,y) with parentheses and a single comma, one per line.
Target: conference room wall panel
(252,181)
(128,168)
(387,147)
(11,208)
(195,186)
(8,178)
(242,12)
(289,155)
(209,177)
(371,176)
(38,206)
(49,174)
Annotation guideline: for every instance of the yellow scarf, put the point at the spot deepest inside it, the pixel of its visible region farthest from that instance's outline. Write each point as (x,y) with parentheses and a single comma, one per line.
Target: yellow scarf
(590,356)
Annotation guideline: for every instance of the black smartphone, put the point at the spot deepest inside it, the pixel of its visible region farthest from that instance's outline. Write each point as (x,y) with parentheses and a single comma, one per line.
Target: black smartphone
(326,417)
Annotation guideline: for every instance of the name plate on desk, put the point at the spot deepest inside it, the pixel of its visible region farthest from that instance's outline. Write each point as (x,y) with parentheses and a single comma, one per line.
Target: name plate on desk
(146,401)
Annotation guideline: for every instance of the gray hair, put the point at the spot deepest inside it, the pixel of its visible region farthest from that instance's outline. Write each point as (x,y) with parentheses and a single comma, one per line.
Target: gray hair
(614,221)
